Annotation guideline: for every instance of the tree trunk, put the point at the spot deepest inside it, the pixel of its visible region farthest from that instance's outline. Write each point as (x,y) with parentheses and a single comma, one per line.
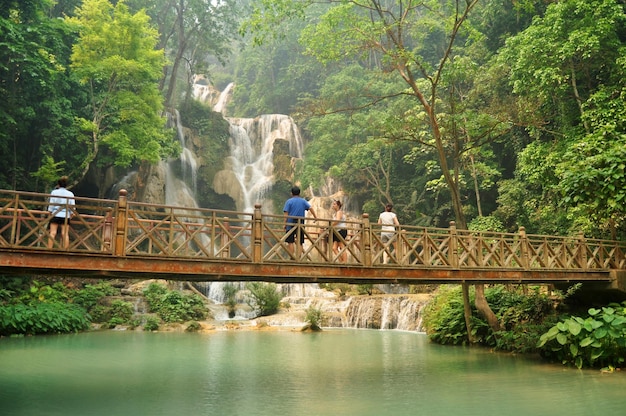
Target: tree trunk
(467,312)
(484,309)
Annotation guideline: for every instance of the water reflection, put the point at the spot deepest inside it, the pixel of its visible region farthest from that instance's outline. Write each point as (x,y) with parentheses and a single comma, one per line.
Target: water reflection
(336,372)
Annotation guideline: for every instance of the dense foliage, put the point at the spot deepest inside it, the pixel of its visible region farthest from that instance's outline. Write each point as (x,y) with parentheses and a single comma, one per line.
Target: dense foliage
(174,306)
(43,318)
(30,307)
(523,317)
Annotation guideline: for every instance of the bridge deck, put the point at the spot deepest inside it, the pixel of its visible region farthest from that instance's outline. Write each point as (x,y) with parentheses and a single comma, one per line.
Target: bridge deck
(120,238)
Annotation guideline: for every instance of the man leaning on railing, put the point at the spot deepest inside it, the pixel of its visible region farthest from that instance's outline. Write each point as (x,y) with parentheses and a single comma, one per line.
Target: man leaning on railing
(60,201)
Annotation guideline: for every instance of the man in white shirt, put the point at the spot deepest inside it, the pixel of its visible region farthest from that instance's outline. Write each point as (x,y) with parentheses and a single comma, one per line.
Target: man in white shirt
(61,203)
(389,222)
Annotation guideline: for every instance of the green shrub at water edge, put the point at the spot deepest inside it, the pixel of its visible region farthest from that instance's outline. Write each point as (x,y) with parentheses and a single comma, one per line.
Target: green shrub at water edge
(90,295)
(118,312)
(173,306)
(314,318)
(598,340)
(443,317)
(152,323)
(523,316)
(264,297)
(42,318)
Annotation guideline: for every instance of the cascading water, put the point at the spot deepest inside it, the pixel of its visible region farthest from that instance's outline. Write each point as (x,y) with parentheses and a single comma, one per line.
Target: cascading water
(220,106)
(401,312)
(251,162)
(188,161)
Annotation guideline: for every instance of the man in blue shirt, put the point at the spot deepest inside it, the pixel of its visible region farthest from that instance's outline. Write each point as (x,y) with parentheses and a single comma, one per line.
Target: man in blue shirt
(295,210)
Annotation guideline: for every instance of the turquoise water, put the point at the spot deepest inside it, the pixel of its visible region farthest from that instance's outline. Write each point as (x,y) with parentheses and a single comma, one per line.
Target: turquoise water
(335,372)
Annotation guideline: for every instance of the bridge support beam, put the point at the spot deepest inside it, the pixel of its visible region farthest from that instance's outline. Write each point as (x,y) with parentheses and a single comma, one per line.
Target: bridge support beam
(618,280)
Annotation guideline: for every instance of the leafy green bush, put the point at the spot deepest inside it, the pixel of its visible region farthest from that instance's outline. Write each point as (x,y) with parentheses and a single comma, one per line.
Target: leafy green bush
(523,316)
(90,295)
(118,312)
(152,323)
(264,297)
(42,318)
(365,289)
(598,340)
(39,292)
(314,318)
(173,306)
(444,321)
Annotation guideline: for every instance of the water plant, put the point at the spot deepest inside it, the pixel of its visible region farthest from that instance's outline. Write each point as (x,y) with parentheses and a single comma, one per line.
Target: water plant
(598,340)
(42,318)
(194,326)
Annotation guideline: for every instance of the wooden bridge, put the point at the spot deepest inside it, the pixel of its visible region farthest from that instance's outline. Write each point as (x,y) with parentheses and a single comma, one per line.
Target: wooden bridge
(126,239)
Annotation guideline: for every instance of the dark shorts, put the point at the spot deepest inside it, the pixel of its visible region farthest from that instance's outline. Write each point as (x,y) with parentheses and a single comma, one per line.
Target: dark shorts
(291,235)
(60,220)
(340,232)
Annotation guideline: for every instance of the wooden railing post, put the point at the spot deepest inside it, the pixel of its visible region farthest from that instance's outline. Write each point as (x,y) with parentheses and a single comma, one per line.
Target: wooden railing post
(16,221)
(257,234)
(523,241)
(454,244)
(121,224)
(225,240)
(107,233)
(366,231)
(582,251)
(401,248)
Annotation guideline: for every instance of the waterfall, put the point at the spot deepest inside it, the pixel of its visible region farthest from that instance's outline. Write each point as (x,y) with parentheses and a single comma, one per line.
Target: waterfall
(223,98)
(188,160)
(202,89)
(402,312)
(249,170)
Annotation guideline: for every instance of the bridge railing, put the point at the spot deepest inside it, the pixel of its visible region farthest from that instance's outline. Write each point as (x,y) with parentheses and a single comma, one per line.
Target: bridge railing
(171,231)
(25,223)
(126,228)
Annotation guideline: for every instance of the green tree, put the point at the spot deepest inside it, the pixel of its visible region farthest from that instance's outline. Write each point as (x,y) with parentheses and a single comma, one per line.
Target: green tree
(116,57)
(40,101)
(567,71)
(196,34)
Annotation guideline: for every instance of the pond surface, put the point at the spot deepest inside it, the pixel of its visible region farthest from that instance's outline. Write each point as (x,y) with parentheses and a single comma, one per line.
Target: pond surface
(335,372)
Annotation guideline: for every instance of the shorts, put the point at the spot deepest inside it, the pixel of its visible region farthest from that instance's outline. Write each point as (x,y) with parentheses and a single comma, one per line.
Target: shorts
(385,237)
(340,232)
(291,235)
(60,220)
